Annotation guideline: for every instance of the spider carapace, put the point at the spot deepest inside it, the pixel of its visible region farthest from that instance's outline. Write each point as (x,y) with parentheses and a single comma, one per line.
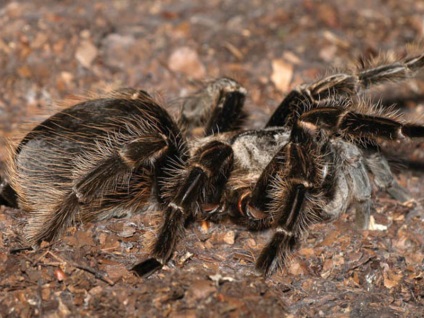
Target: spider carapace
(120,153)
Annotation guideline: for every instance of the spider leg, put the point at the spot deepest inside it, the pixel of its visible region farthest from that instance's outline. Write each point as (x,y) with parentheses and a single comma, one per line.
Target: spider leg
(286,236)
(383,176)
(397,71)
(356,125)
(311,188)
(210,167)
(311,179)
(252,208)
(353,125)
(286,197)
(227,115)
(356,189)
(295,200)
(341,87)
(117,166)
(217,107)
(7,194)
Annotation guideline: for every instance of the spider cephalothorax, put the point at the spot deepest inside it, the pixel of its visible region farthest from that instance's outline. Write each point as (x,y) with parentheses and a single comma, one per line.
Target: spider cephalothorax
(118,154)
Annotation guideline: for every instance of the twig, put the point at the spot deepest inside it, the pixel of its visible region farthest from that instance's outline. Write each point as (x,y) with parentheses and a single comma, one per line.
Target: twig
(88,269)
(96,273)
(20,249)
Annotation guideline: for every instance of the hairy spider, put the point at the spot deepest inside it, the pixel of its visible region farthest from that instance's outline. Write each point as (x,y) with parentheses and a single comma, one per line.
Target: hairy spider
(115,155)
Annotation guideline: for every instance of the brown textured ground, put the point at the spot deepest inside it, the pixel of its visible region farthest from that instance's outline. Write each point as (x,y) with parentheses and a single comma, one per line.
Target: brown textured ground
(51,49)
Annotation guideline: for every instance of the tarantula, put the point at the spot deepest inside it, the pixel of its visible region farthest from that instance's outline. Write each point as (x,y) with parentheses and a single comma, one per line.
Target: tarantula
(115,155)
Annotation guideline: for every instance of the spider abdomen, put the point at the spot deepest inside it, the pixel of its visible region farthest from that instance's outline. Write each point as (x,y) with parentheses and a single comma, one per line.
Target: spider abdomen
(93,161)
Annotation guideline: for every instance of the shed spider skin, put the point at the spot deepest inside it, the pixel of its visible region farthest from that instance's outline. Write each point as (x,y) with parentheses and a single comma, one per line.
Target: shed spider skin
(118,154)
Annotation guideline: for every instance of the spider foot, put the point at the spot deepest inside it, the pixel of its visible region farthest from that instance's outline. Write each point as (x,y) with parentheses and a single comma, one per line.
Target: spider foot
(275,255)
(399,193)
(147,267)
(7,194)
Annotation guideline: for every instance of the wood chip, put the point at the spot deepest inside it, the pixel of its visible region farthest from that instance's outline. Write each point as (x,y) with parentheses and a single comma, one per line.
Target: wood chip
(282,73)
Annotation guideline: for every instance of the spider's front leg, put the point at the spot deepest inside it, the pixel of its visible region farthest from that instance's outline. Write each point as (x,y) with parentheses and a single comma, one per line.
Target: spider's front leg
(286,197)
(367,128)
(205,177)
(355,125)
(339,91)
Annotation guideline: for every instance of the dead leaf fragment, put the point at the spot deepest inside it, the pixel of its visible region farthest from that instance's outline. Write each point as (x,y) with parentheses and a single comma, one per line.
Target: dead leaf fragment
(200,289)
(328,53)
(229,237)
(86,53)
(187,61)
(373,226)
(391,279)
(297,268)
(218,278)
(282,73)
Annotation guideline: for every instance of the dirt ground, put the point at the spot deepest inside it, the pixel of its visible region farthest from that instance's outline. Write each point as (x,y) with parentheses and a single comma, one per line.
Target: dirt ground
(51,50)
